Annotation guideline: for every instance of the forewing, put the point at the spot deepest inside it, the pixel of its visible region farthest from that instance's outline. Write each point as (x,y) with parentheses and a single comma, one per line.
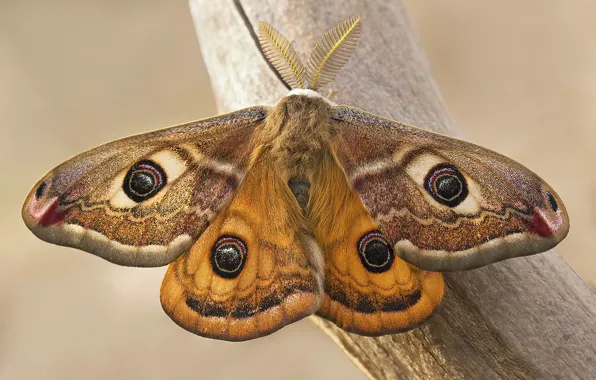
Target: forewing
(143,200)
(443,203)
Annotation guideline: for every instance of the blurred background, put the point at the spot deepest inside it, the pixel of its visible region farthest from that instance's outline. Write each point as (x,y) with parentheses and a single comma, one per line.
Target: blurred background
(519,78)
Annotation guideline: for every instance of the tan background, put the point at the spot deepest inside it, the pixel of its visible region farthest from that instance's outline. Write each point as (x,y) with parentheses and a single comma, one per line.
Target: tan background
(519,77)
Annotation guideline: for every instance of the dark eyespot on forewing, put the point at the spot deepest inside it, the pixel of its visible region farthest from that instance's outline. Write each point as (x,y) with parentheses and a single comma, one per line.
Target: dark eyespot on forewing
(551,201)
(446,185)
(375,253)
(144,179)
(228,256)
(40,191)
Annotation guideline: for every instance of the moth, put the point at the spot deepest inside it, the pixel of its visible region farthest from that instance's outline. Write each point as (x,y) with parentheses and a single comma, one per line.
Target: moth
(270,214)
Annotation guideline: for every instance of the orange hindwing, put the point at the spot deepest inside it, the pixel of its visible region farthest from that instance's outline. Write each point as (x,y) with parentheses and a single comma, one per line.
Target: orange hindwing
(368,289)
(251,271)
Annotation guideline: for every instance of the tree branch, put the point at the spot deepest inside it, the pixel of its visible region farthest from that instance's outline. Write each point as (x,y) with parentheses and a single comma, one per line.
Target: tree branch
(527,317)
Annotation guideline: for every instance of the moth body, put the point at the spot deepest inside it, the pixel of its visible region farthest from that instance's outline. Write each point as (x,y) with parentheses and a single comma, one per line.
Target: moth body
(269,214)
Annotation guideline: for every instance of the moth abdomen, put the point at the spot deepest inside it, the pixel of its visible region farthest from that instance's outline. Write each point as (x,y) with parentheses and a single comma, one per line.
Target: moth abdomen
(301,190)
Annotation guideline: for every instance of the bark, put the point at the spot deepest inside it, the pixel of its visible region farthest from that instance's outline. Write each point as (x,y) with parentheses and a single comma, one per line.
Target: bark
(527,317)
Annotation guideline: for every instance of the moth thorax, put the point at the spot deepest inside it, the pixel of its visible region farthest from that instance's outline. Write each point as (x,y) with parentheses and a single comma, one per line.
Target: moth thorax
(296,131)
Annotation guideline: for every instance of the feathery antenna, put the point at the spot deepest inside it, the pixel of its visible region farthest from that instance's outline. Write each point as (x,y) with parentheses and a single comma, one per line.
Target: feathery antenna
(281,54)
(331,52)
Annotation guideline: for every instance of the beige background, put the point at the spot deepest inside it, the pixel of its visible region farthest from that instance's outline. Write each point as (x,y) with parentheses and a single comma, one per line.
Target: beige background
(519,77)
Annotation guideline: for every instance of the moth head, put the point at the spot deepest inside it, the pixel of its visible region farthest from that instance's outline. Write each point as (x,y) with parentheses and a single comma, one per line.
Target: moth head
(328,56)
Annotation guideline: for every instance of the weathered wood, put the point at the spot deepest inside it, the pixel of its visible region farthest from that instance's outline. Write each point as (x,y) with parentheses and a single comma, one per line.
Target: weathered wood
(523,318)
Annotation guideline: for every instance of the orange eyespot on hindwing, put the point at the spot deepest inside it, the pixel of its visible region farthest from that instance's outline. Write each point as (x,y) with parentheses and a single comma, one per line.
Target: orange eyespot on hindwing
(446,185)
(144,180)
(375,253)
(228,256)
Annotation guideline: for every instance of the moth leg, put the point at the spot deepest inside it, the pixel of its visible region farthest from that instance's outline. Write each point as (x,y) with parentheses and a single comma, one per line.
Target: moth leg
(330,93)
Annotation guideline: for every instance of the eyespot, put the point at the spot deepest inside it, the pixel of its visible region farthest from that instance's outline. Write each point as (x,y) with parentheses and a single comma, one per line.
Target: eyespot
(551,200)
(41,189)
(228,256)
(376,254)
(144,180)
(446,185)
